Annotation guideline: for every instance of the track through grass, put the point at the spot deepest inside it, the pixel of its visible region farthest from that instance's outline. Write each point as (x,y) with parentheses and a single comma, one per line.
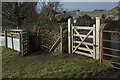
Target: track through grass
(48,66)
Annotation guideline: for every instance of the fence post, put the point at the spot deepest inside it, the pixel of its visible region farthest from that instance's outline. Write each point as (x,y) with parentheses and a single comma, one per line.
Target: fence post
(69,35)
(97,38)
(61,34)
(5,38)
(12,42)
(22,52)
(20,41)
(101,44)
(94,41)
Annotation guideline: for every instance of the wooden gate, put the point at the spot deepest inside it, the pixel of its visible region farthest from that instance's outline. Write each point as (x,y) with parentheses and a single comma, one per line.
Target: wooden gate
(84,42)
(80,45)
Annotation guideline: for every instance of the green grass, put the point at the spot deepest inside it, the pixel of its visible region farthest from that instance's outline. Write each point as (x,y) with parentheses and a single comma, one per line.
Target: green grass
(48,66)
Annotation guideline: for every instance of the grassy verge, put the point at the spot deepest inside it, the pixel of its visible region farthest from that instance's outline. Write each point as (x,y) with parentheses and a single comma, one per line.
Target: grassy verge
(48,66)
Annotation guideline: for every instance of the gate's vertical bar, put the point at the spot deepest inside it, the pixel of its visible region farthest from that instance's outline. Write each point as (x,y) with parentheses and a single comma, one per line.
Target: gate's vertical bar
(101,39)
(97,38)
(69,35)
(94,41)
(72,37)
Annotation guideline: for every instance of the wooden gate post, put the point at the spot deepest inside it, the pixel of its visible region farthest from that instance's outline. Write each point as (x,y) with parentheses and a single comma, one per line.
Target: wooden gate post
(20,42)
(5,38)
(94,41)
(12,42)
(97,38)
(69,35)
(22,50)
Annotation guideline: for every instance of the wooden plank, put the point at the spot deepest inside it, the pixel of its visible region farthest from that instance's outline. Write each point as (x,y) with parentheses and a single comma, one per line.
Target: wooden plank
(82,53)
(22,52)
(83,40)
(72,37)
(94,41)
(97,38)
(2,33)
(80,35)
(55,44)
(85,49)
(8,34)
(14,33)
(90,36)
(20,42)
(82,27)
(85,43)
(16,30)
(69,35)
(12,42)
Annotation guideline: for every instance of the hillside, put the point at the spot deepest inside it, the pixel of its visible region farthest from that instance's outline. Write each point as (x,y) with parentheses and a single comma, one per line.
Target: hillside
(98,13)
(113,11)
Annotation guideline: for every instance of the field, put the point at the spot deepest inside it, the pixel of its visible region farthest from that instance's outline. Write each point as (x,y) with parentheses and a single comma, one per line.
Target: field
(38,65)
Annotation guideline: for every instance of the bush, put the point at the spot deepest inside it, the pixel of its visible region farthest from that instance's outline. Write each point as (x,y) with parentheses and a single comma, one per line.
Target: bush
(63,19)
(85,21)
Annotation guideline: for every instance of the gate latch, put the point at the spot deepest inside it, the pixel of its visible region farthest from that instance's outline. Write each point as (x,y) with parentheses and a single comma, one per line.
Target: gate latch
(95,45)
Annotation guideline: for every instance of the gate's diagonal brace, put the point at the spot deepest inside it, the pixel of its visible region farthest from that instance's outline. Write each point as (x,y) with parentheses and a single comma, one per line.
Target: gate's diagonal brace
(83,40)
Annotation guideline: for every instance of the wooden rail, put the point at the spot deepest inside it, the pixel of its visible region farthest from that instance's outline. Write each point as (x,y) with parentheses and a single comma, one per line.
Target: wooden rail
(87,43)
(90,36)
(82,27)
(82,53)
(85,49)
(58,41)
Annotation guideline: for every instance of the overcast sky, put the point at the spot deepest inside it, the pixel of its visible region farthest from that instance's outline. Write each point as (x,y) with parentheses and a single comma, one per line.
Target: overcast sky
(89,0)
(89,6)
(62,0)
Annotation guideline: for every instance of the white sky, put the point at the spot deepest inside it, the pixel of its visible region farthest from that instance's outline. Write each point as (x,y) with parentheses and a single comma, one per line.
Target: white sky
(90,0)
(63,0)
